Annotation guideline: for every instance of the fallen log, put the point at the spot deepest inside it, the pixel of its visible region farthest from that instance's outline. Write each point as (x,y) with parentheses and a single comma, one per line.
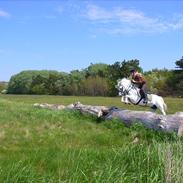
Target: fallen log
(168,123)
(98,111)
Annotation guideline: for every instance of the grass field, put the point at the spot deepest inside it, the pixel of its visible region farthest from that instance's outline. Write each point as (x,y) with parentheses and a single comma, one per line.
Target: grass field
(174,104)
(40,145)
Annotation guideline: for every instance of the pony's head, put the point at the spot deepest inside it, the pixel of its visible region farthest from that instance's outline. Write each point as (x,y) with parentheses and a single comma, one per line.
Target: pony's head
(122,84)
(125,82)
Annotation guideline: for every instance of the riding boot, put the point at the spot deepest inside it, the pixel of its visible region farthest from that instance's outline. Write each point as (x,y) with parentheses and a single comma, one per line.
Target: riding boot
(145,98)
(143,95)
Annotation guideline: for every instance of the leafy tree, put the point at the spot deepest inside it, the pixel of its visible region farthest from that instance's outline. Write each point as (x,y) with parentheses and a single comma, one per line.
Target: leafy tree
(179,77)
(97,79)
(179,63)
(175,81)
(75,79)
(52,83)
(63,84)
(98,69)
(20,83)
(38,85)
(34,82)
(94,86)
(157,81)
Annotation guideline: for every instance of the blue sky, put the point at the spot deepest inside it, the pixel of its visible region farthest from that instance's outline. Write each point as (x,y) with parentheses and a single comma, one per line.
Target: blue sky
(68,35)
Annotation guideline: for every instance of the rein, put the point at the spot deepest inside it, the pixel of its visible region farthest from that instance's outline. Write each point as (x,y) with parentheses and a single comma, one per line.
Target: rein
(126,91)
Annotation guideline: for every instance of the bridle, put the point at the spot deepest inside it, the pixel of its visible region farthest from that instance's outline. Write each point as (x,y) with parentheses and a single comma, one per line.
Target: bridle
(125,91)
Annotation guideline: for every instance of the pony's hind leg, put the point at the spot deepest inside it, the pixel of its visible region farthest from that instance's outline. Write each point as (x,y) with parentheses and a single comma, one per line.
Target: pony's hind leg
(161,105)
(164,113)
(162,110)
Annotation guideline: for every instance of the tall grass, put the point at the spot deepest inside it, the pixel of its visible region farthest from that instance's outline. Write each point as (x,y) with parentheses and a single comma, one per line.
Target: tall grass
(40,145)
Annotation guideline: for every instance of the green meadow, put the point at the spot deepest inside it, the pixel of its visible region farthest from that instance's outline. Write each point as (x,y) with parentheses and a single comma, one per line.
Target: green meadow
(41,145)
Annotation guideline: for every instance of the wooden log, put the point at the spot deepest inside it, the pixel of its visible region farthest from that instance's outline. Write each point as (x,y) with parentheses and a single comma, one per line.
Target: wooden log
(180,130)
(168,123)
(99,111)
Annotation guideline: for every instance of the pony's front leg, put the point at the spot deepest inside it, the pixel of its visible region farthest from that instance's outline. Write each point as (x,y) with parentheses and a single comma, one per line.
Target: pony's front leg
(123,99)
(126,101)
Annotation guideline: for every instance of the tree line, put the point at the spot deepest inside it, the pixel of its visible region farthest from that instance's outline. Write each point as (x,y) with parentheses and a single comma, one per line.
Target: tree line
(96,80)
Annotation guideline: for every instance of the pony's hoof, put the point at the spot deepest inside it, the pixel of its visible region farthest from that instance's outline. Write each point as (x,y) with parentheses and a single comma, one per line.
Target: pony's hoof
(161,126)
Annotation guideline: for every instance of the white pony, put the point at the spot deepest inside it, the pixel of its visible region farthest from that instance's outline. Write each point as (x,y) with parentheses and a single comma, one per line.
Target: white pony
(131,94)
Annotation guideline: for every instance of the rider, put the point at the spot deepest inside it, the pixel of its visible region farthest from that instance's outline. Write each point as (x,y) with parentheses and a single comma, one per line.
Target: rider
(139,80)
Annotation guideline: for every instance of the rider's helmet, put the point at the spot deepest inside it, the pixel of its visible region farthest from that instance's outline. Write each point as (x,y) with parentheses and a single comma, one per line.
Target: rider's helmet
(132,69)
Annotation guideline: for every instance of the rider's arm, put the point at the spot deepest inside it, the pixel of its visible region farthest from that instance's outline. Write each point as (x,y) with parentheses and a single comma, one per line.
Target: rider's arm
(134,81)
(138,79)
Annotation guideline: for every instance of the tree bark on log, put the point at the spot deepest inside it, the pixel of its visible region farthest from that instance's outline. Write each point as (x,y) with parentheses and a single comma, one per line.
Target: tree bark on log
(168,123)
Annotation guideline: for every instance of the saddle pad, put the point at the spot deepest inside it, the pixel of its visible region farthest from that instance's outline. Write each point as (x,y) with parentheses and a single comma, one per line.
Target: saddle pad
(149,97)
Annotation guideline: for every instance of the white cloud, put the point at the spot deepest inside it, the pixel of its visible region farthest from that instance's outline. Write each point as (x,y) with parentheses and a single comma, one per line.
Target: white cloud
(177,22)
(4,14)
(96,13)
(121,20)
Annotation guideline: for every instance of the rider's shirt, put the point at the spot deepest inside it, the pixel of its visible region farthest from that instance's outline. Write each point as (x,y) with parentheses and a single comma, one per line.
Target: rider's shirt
(138,78)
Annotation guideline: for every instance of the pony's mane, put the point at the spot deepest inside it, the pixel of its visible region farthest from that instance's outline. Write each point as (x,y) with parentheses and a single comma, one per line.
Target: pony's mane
(127,79)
